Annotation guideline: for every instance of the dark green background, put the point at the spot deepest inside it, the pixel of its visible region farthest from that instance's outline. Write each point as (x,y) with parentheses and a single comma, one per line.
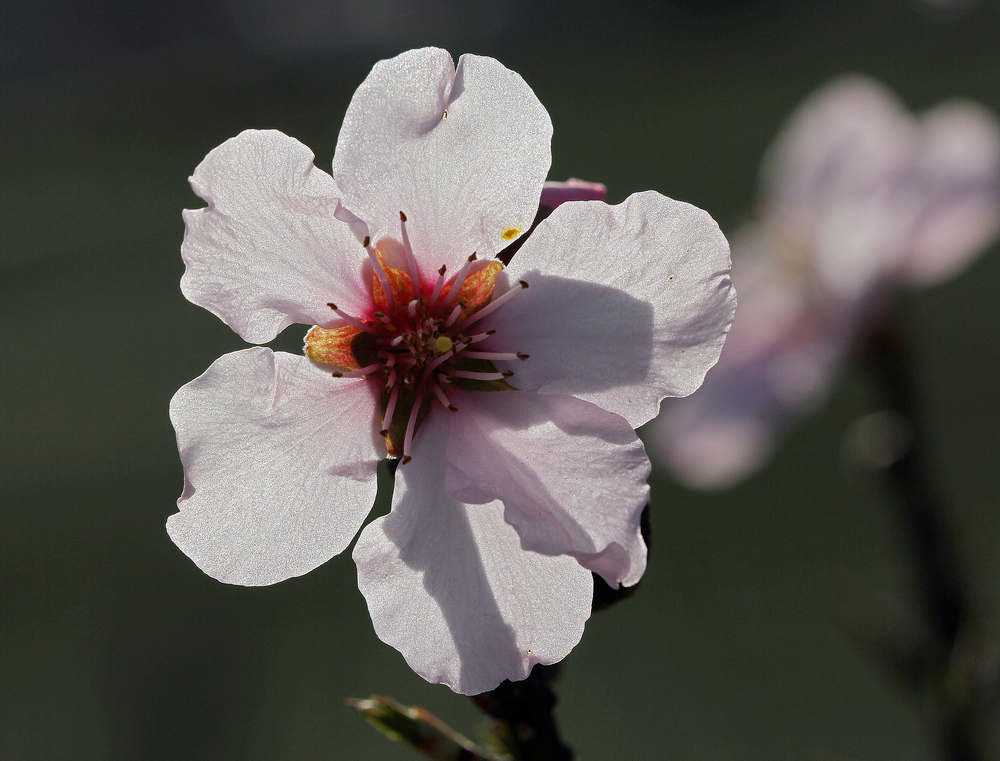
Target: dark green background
(114,646)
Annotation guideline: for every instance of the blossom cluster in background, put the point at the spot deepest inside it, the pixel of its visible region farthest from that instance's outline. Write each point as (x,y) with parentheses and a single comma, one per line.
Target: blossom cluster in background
(858,198)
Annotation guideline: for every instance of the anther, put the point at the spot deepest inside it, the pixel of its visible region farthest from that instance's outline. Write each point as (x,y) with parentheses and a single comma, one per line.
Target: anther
(443,398)
(379,271)
(481,336)
(496,355)
(344,316)
(493,305)
(472,375)
(411,262)
(438,285)
(460,277)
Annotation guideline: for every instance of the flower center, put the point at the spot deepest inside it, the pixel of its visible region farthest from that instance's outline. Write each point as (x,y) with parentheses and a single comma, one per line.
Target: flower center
(419,341)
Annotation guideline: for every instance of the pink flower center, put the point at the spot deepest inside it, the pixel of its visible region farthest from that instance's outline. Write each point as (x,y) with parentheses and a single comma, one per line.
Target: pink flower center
(420,341)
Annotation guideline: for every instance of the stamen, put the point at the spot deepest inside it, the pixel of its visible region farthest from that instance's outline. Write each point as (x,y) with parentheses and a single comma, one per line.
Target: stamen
(397,340)
(495,355)
(482,336)
(440,360)
(443,398)
(368,370)
(460,277)
(390,408)
(411,425)
(471,375)
(453,316)
(438,286)
(379,271)
(411,261)
(356,323)
(493,305)
(412,308)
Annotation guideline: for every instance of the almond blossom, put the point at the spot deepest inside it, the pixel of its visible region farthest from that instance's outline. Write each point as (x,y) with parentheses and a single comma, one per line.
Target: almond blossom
(509,395)
(859,198)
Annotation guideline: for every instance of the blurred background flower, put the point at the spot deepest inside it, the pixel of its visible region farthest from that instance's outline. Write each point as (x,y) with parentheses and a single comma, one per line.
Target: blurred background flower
(858,199)
(116,646)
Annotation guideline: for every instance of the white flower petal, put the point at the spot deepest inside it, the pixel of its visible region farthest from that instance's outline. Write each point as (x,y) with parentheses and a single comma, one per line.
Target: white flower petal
(572,476)
(267,251)
(449,586)
(463,153)
(279,466)
(627,304)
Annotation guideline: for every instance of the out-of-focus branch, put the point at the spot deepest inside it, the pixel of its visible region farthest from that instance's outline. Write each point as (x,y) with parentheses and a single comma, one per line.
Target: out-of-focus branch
(524,714)
(954,699)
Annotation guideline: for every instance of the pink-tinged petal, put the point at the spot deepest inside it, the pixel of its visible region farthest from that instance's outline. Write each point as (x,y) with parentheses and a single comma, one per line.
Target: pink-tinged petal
(463,153)
(959,171)
(844,141)
(777,363)
(448,585)
(267,250)
(279,466)
(626,304)
(571,476)
(729,428)
(557,193)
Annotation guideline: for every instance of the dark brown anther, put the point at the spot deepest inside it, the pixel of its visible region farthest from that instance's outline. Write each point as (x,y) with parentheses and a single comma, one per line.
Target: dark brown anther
(472,256)
(507,373)
(406,459)
(402,216)
(384,432)
(337,374)
(522,356)
(442,270)
(452,408)
(332,305)
(523,284)
(366,242)
(491,331)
